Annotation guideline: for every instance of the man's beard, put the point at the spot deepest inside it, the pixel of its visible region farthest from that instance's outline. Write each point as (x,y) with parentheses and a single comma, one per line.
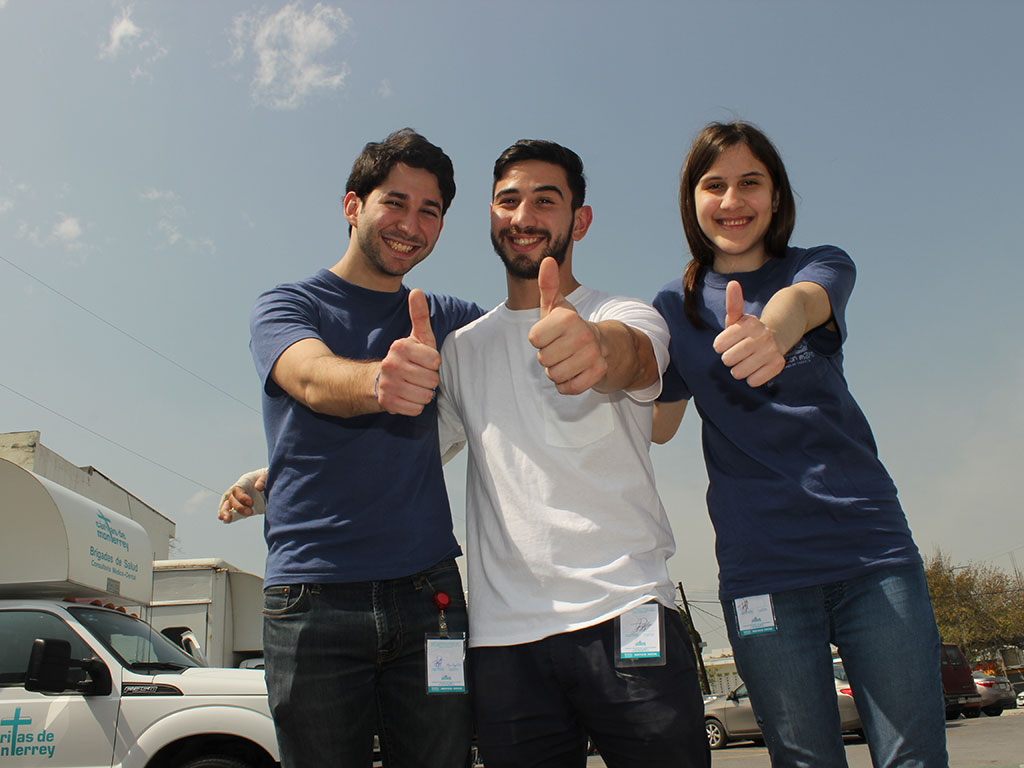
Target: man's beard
(369,244)
(521,265)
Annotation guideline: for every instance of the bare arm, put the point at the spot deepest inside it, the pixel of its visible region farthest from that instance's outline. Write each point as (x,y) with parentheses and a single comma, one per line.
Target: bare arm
(667,417)
(628,354)
(794,311)
(402,383)
(324,382)
(753,347)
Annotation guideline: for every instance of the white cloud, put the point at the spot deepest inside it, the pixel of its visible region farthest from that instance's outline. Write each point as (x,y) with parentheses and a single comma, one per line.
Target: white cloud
(169,230)
(5,202)
(126,37)
(67,231)
(25,232)
(122,31)
(172,213)
(292,50)
(152,193)
(384,89)
(200,503)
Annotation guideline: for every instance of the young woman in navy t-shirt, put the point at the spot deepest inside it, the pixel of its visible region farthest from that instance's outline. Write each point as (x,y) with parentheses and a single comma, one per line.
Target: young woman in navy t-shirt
(813,547)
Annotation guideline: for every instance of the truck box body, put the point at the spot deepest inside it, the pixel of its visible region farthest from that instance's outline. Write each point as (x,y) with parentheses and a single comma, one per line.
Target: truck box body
(220,604)
(87,550)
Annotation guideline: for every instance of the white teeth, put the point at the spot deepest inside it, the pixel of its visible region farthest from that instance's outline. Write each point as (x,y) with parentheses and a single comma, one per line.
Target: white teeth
(525,240)
(400,247)
(733,222)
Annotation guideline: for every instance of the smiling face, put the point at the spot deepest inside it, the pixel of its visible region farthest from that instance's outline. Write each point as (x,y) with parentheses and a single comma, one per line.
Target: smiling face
(734,203)
(396,226)
(532,217)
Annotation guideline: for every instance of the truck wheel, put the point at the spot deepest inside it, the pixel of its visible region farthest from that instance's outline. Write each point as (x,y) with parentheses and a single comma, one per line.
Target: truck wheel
(993,711)
(216,761)
(972,713)
(716,734)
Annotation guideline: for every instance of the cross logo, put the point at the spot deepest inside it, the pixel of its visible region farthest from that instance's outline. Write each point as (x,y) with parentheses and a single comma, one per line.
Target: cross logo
(14,722)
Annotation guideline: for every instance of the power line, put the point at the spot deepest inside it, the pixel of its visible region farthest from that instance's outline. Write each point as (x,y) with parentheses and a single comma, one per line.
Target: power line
(1009,551)
(125,333)
(112,442)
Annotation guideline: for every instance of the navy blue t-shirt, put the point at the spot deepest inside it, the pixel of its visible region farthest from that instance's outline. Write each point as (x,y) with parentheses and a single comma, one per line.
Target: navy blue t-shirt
(796,491)
(354,499)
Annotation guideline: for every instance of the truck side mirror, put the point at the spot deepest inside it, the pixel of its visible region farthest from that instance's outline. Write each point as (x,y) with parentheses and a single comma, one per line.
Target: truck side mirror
(50,665)
(99,683)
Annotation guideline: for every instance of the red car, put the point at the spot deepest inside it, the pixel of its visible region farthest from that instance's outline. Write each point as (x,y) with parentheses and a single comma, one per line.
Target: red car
(962,698)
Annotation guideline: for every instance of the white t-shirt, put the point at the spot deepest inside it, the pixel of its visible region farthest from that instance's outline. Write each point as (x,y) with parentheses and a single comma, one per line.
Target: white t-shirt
(565,528)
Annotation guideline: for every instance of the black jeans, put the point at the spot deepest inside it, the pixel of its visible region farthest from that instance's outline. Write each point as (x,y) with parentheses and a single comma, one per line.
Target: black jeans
(536,703)
(345,661)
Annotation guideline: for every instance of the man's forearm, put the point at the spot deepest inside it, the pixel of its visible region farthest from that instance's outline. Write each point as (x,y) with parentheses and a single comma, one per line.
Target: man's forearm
(336,386)
(630,357)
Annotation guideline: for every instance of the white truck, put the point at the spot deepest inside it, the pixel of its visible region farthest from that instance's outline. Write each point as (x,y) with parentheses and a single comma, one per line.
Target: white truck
(88,685)
(210,608)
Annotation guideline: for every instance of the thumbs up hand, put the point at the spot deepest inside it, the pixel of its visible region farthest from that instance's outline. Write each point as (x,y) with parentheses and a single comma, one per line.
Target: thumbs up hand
(408,374)
(747,346)
(547,284)
(568,346)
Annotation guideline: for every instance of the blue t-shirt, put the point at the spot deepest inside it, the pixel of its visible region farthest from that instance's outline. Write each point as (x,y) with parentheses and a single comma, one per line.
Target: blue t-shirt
(796,491)
(354,499)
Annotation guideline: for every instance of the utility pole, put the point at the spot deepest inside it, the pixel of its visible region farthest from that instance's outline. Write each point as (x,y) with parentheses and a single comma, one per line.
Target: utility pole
(695,639)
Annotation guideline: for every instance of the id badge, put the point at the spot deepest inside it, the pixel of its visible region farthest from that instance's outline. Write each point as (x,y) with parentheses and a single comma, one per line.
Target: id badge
(446,663)
(755,615)
(640,637)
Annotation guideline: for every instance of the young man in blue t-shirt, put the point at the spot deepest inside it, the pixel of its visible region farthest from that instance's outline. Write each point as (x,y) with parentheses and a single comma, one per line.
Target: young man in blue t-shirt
(361,552)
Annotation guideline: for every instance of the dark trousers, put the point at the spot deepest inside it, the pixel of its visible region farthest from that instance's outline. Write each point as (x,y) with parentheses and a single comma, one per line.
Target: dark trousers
(536,703)
(345,661)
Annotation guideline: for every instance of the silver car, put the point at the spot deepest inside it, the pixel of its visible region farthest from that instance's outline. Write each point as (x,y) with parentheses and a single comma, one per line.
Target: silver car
(996,694)
(731,717)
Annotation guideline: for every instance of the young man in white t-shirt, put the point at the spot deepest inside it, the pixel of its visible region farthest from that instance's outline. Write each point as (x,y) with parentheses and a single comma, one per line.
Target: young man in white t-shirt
(573,628)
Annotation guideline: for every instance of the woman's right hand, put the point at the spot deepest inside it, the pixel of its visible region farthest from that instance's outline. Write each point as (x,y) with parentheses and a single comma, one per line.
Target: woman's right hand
(747,346)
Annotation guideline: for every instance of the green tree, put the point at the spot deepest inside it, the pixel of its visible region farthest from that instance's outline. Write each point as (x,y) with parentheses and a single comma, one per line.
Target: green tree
(976,606)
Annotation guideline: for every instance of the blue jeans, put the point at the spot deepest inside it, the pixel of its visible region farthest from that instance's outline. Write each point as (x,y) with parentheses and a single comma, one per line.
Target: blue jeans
(884,628)
(537,702)
(345,661)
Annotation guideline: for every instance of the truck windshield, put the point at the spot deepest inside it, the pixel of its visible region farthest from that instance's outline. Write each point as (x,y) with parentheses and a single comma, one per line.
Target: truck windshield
(134,642)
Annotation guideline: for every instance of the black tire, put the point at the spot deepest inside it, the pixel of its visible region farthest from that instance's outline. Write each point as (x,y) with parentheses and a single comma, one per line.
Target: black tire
(972,713)
(717,738)
(993,711)
(953,714)
(215,761)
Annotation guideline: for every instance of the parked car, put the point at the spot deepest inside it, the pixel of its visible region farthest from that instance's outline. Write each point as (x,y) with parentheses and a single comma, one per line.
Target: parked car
(731,718)
(958,687)
(996,694)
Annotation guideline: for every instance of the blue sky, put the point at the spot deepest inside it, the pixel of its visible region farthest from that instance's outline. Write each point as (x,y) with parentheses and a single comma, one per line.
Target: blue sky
(161,163)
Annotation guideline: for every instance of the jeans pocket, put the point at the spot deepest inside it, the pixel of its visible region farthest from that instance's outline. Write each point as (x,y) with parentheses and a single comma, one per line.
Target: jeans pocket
(284,600)
(447,579)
